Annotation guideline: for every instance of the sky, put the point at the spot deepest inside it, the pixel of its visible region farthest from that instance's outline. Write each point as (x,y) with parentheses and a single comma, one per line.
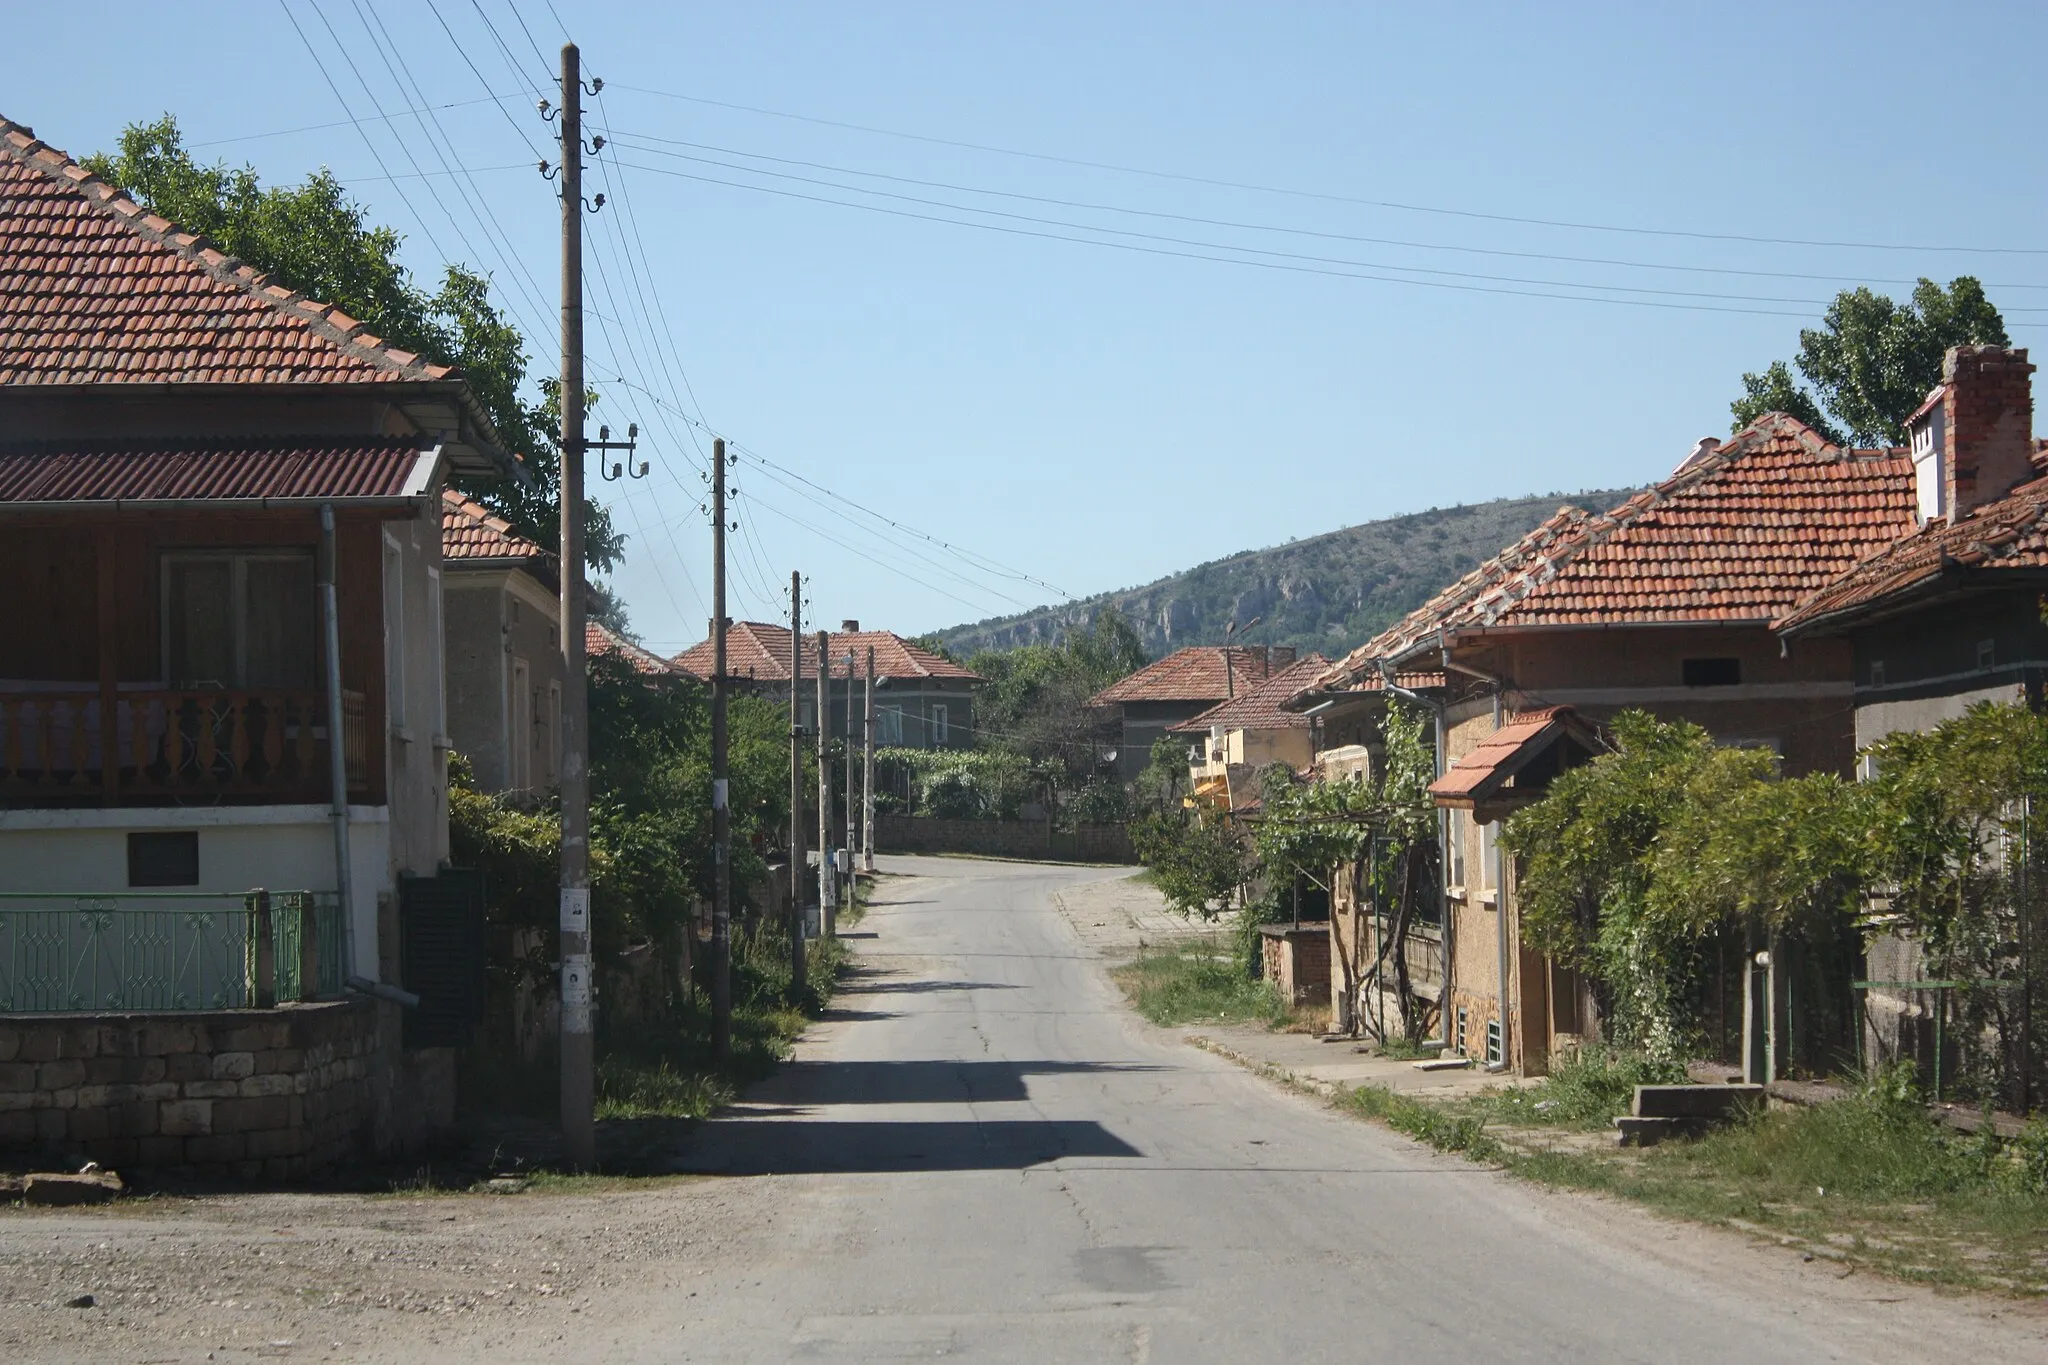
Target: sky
(1335,262)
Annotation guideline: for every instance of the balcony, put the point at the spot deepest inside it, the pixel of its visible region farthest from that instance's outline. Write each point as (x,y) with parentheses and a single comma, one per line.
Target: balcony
(65,747)
(136,951)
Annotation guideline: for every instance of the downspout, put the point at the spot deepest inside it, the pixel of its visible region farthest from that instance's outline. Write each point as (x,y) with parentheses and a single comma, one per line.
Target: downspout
(337,754)
(1500,881)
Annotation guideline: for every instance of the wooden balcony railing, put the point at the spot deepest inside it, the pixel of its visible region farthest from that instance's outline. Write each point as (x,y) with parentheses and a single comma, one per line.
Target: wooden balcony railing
(262,745)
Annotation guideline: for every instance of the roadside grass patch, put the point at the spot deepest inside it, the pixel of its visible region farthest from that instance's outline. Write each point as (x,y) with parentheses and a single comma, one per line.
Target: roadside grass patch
(1445,1127)
(1585,1089)
(1196,982)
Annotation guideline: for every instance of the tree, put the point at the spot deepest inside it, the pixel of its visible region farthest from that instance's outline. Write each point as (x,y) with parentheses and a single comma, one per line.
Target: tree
(313,238)
(1035,701)
(1872,361)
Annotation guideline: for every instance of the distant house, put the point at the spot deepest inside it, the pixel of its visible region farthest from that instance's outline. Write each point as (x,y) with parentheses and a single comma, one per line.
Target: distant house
(601,641)
(922,700)
(1947,616)
(1179,687)
(503,637)
(207,484)
(1664,603)
(1234,739)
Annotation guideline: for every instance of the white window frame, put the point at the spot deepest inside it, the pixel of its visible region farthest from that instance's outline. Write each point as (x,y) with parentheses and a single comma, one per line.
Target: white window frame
(889,726)
(394,633)
(1454,863)
(554,744)
(937,725)
(519,729)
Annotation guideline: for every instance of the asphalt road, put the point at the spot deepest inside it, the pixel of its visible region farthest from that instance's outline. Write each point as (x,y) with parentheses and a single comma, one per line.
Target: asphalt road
(986,1157)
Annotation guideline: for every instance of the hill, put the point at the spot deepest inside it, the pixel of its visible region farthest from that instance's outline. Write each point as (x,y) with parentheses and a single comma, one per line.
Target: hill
(1328,592)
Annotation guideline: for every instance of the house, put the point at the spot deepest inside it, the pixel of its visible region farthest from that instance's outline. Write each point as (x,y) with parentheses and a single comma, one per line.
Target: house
(1947,616)
(1234,739)
(601,641)
(504,649)
(922,700)
(1664,603)
(1178,688)
(222,728)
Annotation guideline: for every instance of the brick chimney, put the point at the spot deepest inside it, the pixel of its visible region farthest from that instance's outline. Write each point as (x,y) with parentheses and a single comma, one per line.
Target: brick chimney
(1973,439)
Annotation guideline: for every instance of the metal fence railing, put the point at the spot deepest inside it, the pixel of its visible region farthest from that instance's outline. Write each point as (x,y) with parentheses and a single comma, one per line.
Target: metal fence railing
(133,951)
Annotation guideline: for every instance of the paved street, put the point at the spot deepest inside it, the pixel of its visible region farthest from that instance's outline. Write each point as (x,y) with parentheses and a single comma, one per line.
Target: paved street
(981,1156)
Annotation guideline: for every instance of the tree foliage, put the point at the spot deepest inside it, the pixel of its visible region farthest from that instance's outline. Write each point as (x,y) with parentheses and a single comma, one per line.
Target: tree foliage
(1872,361)
(1035,702)
(311,237)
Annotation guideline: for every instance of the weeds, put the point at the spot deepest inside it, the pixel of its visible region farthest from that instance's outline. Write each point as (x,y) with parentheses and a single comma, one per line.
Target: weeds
(1589,1087)
(1188,984)
(1442,1127)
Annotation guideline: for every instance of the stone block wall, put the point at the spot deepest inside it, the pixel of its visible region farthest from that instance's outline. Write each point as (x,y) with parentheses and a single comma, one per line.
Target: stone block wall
(1003,839)
(252,1094)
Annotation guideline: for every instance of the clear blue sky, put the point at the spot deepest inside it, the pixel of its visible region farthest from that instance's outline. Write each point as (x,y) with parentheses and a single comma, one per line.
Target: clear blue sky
(1096,417)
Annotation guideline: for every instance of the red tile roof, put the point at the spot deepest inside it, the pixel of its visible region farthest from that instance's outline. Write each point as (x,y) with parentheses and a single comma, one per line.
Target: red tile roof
(759,651)
(599,639)
(1486,771)
(469,531)
(1739,534)
(1197,673)
(94,289)
(144,471)
(1259,708)
(2002,536)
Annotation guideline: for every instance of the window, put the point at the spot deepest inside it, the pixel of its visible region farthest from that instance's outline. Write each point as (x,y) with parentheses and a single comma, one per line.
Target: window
(1987,653)
(1454,863)
(1459,1046)
(394,631)
(938,726)
(1713,672)
(1877,672)
(551,744)
(1488,862)
(439,650)
(240,620)
(1493,1057)
(889,726)
(519,733)
(164,859)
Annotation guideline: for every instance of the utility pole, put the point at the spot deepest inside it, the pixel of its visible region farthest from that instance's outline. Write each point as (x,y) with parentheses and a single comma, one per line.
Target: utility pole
(579,1074)
(721,817)
(852,811)
(797,976)
(867,772)
(824,783)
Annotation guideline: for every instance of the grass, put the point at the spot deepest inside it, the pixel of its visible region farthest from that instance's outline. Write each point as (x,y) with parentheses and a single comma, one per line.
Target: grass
(1196,982)
(1870,1180)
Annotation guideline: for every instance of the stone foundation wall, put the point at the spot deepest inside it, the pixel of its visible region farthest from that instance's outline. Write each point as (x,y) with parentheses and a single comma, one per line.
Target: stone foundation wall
(1003,839)
(252,1094)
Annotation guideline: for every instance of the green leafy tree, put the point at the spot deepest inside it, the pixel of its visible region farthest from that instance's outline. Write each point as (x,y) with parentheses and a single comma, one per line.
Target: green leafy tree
(311,237)
(1872,361)
(1035,701)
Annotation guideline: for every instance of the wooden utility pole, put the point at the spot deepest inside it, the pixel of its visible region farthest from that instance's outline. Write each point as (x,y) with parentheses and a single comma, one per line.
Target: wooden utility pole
(824,783)
(797,976)
(721,816)
(852,811)
(867,771)
(579,1129)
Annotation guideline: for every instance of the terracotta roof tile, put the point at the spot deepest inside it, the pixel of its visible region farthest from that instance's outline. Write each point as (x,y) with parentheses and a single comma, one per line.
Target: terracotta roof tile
(1259,708)
(2008,534)
(94,291)
(1197,673)
(142,470)
(469,531)
(599,639)
(1740,534)
(759,651)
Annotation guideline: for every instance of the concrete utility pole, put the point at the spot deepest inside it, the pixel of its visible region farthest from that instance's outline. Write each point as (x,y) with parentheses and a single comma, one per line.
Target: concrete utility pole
(824,782)
(852,811)
(797,976)
(867,772)
(579,1129)
(721,816)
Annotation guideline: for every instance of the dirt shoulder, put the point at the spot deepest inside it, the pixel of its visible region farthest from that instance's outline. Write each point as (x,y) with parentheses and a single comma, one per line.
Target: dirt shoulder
(1119,917)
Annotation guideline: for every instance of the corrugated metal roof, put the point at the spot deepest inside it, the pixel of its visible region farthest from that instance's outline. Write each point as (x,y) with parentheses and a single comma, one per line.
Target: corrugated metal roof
(167,471)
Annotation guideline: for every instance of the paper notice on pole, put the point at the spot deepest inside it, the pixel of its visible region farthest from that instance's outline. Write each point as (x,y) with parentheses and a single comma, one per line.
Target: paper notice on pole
(576,993)
(718,789)
(575,909)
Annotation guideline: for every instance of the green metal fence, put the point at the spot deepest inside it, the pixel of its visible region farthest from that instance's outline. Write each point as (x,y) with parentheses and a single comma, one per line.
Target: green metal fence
(167,950)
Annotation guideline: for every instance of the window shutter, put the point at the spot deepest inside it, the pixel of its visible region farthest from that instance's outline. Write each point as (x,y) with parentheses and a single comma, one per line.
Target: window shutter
(442,919)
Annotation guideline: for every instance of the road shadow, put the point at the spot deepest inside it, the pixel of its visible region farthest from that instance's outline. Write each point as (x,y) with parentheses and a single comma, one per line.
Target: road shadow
(793,1146)
(936,1082)
(882,985)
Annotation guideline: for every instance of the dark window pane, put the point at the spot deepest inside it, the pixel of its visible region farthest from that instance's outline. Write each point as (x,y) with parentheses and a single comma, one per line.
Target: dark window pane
(164,859)
(278,623)
(201,626)
(1713,672)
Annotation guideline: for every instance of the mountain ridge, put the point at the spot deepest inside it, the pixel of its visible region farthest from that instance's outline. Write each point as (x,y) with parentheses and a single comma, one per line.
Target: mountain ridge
(1329,592)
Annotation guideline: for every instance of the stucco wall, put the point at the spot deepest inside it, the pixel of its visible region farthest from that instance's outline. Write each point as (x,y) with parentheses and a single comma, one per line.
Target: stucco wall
(414,673)
(476,649)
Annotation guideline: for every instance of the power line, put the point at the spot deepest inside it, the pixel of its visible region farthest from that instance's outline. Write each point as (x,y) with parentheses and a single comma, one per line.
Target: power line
(1297,269)
(1334,198)
(343,123)
(629,138)
(1218,246)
